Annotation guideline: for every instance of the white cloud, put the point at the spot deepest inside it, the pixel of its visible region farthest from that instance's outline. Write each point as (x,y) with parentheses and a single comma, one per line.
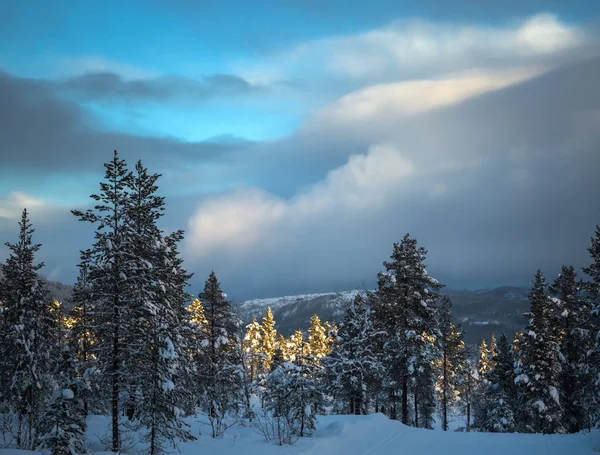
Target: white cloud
(237,221)
(417,48)
(400,99)
(11,207)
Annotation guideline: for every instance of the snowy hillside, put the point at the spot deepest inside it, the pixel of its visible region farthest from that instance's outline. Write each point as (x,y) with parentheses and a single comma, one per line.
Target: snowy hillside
(481,312)
(366,435)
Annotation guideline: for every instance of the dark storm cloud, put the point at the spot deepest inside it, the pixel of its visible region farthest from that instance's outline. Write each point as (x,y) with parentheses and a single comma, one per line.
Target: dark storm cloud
(108,86)
(41,131)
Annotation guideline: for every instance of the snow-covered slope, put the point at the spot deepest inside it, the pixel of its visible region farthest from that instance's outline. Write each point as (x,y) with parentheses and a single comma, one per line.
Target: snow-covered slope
(367,435)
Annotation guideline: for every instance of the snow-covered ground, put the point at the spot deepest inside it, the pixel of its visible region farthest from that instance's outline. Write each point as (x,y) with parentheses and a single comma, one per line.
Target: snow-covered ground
(368,435)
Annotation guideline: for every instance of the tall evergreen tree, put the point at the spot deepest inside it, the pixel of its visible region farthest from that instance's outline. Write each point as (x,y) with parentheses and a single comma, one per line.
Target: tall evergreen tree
(28,340)
(404,308)
(268,337)
(452,363)
(318,345)
(501,392)
(112,276)
(64,424)
(539,366)
(593,289)
(161,378)
(354,365)
(576,341)
(81,337)
(220,376)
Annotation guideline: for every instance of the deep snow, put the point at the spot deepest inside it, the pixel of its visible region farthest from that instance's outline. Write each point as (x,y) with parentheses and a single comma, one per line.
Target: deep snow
(367,435)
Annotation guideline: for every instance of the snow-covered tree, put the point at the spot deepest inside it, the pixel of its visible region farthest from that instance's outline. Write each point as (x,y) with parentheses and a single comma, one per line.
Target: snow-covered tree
(64,424)
(354,366)
(452,360)
(405,309)
(28,339)
(252,349)
(573,323)
(501,393)
(220,375)
(268,337)
(81,338)
(539,366)
(593,288)
(318,344)
(112,273)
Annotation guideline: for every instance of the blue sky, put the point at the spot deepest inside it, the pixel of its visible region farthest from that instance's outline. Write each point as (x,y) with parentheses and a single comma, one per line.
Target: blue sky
(323,129)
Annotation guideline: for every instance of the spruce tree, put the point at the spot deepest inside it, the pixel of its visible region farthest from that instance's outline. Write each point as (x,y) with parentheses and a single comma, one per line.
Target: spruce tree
(405,309)
(318,345)
(28,340)
(112,275)
(221,372)
(452,361)
(539,366)
(64,424)
(268,338)
(354,366)
(575,342)
(500,411)
(161,381)
(252,345)
(593,296)
(81,338)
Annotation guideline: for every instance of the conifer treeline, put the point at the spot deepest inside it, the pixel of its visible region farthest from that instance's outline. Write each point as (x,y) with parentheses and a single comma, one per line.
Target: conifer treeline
(138,347)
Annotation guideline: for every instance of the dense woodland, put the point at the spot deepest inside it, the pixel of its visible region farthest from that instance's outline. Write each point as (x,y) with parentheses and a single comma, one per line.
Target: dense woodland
(138,346)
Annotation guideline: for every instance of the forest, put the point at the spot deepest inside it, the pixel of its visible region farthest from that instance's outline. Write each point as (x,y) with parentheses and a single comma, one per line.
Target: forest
(138,346)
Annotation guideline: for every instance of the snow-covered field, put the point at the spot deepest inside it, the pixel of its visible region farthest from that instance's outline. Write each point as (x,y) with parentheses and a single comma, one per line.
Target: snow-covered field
(367,435)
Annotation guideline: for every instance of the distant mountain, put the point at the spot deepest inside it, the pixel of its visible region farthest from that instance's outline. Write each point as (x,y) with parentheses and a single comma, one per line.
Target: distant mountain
(481,312)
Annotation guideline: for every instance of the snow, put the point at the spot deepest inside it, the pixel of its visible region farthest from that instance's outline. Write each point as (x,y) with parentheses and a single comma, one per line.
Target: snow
(362,435)
(67,394)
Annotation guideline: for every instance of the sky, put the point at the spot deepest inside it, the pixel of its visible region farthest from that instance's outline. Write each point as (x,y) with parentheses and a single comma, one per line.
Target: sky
(299,139)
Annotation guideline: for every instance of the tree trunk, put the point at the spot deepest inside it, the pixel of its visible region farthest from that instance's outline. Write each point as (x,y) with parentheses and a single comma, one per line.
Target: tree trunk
(115,378)
(444,394)
(404,400)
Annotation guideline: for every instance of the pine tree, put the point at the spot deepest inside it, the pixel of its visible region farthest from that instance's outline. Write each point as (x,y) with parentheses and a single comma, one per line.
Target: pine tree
(452,348)
(318,345)
(354,365)
(160,385)
(220,376)
(404,307)
(539,366)
(28,340)
(64,423)
(593,289)
(484,364)
(252,350)
(268,338)
(575,342)
(81,337)
(295,347)
(112,276)
(196,313)
(500,415)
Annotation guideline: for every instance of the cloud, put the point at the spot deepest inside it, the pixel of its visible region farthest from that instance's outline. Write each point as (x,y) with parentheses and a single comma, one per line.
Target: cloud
(41,132)
(495,183)
(110,86)
(11,207)
(415,48)
(234,222)
(401,99)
